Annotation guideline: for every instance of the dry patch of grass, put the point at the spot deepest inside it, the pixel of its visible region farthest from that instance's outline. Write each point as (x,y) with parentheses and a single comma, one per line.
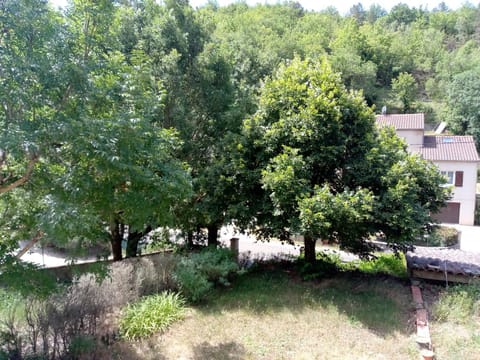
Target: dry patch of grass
(271,315)
(455,325)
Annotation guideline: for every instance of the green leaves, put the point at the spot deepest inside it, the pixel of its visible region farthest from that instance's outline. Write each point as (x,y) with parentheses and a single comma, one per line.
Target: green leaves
(285,179)
(154,313)
(309,131)
(404,88)
(338,217)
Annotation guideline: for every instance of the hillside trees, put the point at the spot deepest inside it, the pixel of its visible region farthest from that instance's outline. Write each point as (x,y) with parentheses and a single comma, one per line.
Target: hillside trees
(463,100)
(404,88)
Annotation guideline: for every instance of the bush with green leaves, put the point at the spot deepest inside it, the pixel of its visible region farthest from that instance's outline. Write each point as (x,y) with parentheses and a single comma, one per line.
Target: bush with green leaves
(197,273)
(440,236)
(388,264)
(151,314)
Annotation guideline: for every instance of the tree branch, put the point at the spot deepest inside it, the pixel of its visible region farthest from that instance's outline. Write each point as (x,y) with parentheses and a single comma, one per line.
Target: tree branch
(29,245)
(24,178)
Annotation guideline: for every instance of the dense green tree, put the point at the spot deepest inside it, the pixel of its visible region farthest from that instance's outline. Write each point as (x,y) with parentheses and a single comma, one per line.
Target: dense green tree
(402,14)
(309,131)
(407,191)
(113,170)
(317,160)
(374,13)
(38,85)
(358,13)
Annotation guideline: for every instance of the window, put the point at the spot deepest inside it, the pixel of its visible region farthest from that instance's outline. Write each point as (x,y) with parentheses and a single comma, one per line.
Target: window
(453,178)
(449,175)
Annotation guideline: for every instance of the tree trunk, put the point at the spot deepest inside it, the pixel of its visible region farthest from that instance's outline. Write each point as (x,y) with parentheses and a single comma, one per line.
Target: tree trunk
(132,244)
(309,243)
(133,239)
(116,241)
(212,235)
(190,239)
(116,237)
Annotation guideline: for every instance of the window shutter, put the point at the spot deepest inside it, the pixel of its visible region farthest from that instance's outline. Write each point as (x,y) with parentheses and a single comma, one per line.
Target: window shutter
(459,178)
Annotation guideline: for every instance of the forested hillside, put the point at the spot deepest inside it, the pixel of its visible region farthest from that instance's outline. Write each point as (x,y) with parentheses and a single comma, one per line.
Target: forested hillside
(408,59)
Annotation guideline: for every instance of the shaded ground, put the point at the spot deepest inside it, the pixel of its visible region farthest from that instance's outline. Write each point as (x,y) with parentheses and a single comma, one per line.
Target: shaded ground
(272,315)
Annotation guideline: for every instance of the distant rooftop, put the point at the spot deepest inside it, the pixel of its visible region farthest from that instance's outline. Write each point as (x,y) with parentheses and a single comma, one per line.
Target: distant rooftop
(402,121)
(449,148)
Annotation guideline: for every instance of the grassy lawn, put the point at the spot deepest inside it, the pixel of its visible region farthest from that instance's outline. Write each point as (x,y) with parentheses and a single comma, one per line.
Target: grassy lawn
(455,325)
(274,315)
(354,312)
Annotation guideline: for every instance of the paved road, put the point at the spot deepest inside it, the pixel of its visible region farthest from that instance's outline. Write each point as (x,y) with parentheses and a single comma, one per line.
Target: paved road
(46,257)
(248,247)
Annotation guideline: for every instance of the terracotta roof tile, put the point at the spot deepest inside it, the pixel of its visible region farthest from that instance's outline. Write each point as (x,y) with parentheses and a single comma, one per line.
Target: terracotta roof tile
(402,121)
(449,148)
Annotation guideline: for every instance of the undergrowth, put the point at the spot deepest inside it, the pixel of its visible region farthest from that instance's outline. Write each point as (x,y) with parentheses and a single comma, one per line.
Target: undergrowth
(458,304)
(198,273)
(328,265)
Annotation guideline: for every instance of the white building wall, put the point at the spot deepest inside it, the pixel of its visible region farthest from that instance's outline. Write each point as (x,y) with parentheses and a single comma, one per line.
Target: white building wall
(466,194)
(414,138)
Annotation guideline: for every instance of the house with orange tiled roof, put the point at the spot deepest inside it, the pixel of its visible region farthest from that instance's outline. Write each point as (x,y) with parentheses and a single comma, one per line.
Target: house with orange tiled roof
(455,156)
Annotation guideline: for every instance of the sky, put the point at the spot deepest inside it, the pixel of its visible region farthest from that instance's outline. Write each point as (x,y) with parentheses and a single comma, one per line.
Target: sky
(342,6)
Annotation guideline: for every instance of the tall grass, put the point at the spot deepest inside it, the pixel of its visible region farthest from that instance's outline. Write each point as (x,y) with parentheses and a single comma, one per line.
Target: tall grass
(456,323)
(152,314)
(459,304)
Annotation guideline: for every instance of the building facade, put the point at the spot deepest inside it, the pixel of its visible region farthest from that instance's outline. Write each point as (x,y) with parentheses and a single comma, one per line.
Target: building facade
(455,156)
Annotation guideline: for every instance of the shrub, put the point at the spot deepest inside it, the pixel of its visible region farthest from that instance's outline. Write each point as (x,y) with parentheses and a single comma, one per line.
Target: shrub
(389,264)
(193,284)
(458,304)
(82,346)
(151,314)
(198,273)
(441,236)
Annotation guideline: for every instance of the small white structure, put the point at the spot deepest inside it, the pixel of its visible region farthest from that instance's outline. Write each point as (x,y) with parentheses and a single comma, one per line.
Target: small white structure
(456,157)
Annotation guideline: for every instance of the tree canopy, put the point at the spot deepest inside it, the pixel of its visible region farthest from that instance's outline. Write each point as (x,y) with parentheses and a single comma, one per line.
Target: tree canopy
(121,116)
